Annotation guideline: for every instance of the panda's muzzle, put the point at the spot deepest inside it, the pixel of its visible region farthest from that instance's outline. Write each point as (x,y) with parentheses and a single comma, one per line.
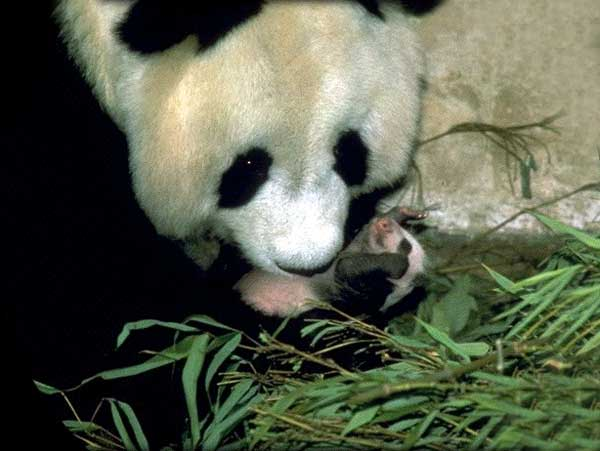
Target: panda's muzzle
(305,271)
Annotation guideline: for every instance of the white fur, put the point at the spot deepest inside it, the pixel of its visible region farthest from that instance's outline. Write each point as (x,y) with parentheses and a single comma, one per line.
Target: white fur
(290,80)
(416,267)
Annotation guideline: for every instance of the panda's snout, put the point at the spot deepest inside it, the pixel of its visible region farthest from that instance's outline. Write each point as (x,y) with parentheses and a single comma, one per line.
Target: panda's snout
(307,251)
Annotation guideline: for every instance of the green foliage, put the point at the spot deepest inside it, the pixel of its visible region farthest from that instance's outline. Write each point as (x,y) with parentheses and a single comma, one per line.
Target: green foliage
(517,367)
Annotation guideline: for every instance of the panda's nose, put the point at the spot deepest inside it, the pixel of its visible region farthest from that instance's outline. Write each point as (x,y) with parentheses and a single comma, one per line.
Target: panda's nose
(306,272)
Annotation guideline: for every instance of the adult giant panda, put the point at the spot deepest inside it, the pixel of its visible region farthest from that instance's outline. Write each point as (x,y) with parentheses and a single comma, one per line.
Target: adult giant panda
(312,106)
(255,122)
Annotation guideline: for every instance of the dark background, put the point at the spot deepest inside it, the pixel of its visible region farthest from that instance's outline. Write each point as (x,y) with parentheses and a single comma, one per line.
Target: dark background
(87,259)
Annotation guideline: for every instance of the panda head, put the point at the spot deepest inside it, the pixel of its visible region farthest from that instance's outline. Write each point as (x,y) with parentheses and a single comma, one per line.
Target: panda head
(258,121)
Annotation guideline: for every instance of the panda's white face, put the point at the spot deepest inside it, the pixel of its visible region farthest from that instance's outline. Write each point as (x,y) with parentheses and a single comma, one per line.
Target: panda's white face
(265,136)
(295,224)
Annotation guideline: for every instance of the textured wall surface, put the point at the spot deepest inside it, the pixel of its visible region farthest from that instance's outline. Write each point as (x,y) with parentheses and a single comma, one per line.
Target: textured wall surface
(509,62)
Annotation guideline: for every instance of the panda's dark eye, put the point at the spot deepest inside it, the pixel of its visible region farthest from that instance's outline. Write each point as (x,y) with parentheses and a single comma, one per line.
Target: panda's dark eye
(351,158)
(242,180)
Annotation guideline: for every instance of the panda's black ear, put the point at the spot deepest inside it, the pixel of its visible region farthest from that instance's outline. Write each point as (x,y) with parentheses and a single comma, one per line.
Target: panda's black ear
(415,7)
(419,7)
(155,25)
(372,6)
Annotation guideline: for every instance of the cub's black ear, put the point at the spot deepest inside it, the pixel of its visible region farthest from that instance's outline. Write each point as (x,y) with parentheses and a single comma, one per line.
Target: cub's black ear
(155,25)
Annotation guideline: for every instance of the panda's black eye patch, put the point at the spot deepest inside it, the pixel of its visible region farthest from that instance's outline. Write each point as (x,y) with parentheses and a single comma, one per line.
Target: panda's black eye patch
(351,158)
(244,177)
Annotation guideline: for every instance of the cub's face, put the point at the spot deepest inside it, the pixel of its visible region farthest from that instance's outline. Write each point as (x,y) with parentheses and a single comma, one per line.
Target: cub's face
(264,136)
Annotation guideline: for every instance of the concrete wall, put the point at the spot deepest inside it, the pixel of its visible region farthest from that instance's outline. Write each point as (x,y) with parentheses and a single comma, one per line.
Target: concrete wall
(510,62)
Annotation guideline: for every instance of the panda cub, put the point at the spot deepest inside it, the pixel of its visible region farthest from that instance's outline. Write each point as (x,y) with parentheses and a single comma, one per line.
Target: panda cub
(374,272)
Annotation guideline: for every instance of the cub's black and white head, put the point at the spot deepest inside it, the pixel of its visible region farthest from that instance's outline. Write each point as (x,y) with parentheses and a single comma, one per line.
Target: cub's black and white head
(258,121)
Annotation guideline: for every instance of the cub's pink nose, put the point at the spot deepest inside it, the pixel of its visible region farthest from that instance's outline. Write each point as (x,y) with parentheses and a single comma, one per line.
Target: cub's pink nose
(383,225)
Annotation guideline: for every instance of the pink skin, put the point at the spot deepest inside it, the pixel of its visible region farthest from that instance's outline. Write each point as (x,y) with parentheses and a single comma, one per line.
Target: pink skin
(385,235)
(276,294)
(287,295)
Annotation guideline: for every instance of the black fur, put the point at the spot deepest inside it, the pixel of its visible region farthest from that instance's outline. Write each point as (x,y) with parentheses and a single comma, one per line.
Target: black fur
(372,6)
(405,246)
(364,291)
(363,208)
(415,7)
(155,25)
(352,266)
(351,158)
(420,7)
(243,179)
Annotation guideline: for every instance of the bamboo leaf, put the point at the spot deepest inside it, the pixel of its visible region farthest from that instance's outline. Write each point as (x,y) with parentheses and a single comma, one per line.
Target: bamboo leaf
(140,437)
(121,429)
(280,406)
(525,180)
(208,321)
(592,343)
(403,425)
(219,430)
(400,403)
(444,339)
(416,434)
(238,392)
(147,323)
(451,314)
(46,389)
(313,326)
(582,319)
(408,342)
(541,277)
(191,373)
(323,332)
(170,355)
(498,405)
(81,426)
(504,282)
(559,227)
(485,431)
(360,418)
(558,285)
(476,349)
(500,380)
(222,354)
